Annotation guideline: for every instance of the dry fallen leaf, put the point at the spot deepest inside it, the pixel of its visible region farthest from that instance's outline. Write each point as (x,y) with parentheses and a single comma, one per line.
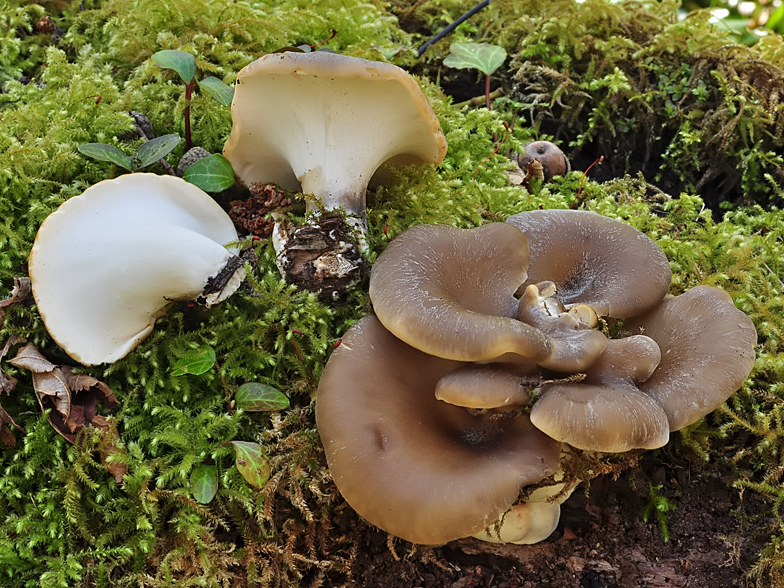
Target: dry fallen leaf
(6,436)
(22,290)
(8,383)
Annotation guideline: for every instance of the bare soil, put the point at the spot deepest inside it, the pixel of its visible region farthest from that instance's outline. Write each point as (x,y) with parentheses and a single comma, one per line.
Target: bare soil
(715,533)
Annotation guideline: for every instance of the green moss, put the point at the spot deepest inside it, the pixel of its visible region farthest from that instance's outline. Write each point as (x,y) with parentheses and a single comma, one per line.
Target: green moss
(67,522)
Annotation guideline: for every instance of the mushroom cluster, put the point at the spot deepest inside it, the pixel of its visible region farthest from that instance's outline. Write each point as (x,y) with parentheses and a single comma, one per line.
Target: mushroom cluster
(485,361)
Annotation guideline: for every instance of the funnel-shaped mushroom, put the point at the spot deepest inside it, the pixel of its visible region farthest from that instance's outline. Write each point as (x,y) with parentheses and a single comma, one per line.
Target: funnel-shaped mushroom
(108,263)
(327,122)
(607,412)
(707,349)
(594,260)
(421,469)
(450,292)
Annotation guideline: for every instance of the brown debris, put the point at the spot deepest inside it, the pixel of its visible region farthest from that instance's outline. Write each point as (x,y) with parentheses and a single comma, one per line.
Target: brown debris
(22,291)
(72,400)
(253,214)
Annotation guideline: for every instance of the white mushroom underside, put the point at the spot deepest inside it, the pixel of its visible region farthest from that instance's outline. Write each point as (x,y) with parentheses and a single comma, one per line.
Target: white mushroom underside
(327,132)
(107,263)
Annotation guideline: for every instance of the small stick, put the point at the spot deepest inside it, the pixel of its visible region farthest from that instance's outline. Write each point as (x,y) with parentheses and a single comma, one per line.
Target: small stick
(453,26)
(477,100)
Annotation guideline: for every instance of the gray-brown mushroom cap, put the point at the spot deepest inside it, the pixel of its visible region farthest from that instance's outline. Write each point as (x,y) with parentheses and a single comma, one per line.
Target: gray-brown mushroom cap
(707,348)
(424,470)
(451,292)
(607,412)
(594,260)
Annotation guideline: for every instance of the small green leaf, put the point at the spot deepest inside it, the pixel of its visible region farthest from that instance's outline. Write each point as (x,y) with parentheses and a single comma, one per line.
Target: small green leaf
(155,149)
(104,152)
(252,463)
(204,483)
(482,56)
(215,88)
(211,174)
(195,361)
(255,397)
(180,61)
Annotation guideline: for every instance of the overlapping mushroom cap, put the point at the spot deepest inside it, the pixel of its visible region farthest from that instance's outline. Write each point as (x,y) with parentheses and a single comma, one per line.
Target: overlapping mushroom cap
(424,470)
(707,351)
(594,260)
(450,292)
(107,263)
(326,122)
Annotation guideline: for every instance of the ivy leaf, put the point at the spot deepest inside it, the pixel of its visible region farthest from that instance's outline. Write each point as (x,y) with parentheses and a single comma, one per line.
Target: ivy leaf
(204,483)
(255,397)
(104,152)
(252,463)
(215,88)
(155,149)
(482,56)
(180,61)
(195,361)
(211,174)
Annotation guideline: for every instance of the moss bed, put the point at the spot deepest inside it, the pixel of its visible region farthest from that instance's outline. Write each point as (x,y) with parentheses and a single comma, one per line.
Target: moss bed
(691,127)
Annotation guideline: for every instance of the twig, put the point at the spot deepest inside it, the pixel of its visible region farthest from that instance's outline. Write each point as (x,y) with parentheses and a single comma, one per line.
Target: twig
(453,26)
(477,100)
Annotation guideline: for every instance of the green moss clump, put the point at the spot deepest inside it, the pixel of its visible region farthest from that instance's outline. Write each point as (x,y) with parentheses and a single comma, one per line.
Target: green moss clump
(68,522)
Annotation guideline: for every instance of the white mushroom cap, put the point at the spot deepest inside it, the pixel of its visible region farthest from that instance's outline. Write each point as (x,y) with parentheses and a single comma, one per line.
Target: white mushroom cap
(327,122)
(107,263)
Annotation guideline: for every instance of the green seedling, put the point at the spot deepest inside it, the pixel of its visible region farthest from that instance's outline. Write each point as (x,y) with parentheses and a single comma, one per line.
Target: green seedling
(185,65)
(147,153)
(204,483)
(484,57)
(212,174)
(251,460)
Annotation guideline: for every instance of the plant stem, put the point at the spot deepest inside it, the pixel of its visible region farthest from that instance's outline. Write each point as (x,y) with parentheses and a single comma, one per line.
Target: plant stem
(188,92)
(487,92)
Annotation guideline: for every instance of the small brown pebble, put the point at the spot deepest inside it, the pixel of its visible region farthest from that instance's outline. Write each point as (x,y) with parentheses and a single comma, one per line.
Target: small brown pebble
(568,534)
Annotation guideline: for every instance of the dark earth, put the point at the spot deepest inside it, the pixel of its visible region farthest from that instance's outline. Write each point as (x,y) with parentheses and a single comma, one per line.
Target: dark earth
(715,534)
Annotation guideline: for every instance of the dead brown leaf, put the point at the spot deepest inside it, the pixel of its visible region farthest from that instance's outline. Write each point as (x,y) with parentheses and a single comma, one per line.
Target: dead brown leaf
(29,358)
(74,397)
(6,436)
(22,290)
(8,383)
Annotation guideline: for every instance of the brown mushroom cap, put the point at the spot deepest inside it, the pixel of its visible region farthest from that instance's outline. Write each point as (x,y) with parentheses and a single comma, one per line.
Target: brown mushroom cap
(707,348)
(450,292)
(594,260)
(490,385)
(607,412)
(421,469)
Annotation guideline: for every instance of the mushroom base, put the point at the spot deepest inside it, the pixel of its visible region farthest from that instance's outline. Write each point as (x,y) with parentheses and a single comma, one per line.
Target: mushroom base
(323,256)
